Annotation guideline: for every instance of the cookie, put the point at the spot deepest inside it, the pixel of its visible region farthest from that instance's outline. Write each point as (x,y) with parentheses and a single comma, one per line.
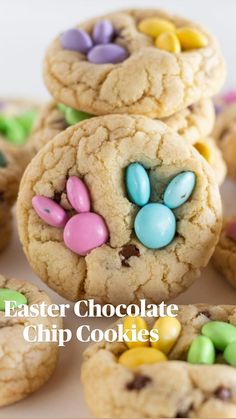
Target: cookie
(194,122)
(24,366)
(5,230)
(115,64)
(171,389)
(16,122)
(225,135)
(10,174)
(224,258)
(112,261)
(213,155)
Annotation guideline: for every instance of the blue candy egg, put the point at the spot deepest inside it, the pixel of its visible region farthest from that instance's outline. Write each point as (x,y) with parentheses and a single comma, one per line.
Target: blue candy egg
(155,226)
(179,189)
(138,184)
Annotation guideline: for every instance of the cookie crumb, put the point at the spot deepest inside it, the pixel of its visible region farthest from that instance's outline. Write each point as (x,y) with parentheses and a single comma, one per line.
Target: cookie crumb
(138,383)
(128,251)
(223,393)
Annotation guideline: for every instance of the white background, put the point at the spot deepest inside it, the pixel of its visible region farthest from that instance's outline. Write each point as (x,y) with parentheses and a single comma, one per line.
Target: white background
(26,28)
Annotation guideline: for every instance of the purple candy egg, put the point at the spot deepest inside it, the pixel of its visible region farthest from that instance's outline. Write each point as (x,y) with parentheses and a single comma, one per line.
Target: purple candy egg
(109,53)
(103,32)
(76,40)
(49,211)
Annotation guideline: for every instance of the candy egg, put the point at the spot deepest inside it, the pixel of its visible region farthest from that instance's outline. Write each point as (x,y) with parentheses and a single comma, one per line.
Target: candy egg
(137,184)
(155,26)
(77,194)
(179,189)
(191,38)
(231,231)
(84,232)
(108,53)
(169,329)
(168,41)
(204,150)
(103,32)
(76,40)
(201,351)
(3,160)
(133,358)
(230,354)
(49,211)
(220,333)
(72,116)
(7,294)
(139,325)
(155,226)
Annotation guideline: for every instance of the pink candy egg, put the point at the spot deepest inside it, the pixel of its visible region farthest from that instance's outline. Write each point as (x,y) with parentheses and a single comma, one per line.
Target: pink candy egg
(49,211)
(84,232)
(77,194)
(231,231)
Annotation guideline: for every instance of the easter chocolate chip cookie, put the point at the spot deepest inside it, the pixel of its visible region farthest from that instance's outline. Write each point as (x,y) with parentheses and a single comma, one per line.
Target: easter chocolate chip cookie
(194,122)
(224,258)
(225,135)
(24,366)
(118,208)
(134,61)
(188,372)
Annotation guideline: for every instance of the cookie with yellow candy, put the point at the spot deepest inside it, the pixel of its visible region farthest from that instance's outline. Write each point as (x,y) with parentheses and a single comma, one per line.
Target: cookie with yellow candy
(186,381)
(24,366)
(134,61)
(192,123)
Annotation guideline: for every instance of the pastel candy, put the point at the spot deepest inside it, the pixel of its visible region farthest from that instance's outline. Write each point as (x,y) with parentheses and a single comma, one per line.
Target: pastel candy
(76,40)
(137,184)
(201,351)
(49,211)
(230,354)
(103,32)
(220,333)
(229,97)
(72,116)
(85,232)
(179,189)
(77,194)
(231,231)
(155,226)
(105,54)
(7,294)
(3,160)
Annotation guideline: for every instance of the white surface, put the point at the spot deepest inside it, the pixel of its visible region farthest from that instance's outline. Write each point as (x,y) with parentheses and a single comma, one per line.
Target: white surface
(62,397)
(26,28)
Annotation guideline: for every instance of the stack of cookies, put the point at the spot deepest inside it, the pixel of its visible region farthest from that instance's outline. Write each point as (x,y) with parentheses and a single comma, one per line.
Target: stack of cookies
(120,203)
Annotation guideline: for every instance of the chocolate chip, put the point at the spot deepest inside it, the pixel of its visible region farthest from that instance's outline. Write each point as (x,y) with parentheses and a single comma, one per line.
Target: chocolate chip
(205,313)
(138,383)
(184,413)
(3,160)
(128,251)
(223,393)
(2,197)
(191,108)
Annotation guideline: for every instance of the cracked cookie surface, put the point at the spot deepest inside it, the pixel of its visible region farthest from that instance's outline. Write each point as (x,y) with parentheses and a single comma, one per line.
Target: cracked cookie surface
(192,123)
(170,389)
(225,135)
(24,366)
(151,81)
(224,258)
(98,151)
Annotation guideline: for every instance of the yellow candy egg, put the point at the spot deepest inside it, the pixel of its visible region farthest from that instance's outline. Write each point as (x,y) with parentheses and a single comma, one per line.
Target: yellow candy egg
(168,41)
(204,150)
(133,358)
(139,324)
(191,38)
(155,26)
(169,329)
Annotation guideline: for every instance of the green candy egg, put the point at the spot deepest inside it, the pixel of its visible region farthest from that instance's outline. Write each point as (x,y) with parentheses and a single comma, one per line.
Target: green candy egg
(26,119)
(230,354)
(73,116)
(220,333)
(201,351)
(11,295)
